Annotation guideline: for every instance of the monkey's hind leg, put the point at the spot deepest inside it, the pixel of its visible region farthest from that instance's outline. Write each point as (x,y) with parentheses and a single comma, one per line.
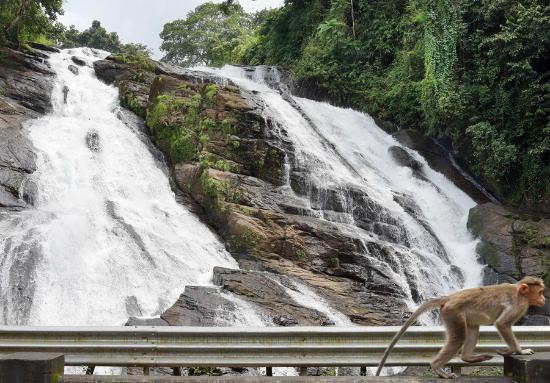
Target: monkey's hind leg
(472,334)
(455,324)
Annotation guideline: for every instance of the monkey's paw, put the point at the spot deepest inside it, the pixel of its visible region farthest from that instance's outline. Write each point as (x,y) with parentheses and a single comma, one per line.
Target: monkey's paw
(527,351)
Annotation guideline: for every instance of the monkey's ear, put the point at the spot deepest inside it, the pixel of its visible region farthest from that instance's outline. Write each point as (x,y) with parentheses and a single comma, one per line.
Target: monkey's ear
(523,288)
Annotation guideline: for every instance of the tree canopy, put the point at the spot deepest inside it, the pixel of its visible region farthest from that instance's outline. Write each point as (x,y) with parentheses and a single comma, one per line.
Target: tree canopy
(26,19)
(473,71)
(211,34)
(97,37)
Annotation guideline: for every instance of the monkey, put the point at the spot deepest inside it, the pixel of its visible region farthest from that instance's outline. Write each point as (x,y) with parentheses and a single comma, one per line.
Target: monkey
(464,311)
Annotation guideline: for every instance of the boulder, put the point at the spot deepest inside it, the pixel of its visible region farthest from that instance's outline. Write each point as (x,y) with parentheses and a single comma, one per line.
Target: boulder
(511,242)
(404,158)
(269,296)
(73,69)
(78,61)
(200,306)
(93,141)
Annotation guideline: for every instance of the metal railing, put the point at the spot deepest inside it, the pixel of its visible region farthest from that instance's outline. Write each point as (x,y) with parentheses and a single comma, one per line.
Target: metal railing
(248,347)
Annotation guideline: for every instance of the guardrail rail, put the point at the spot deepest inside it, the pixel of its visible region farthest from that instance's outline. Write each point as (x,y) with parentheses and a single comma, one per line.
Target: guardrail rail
(249,347)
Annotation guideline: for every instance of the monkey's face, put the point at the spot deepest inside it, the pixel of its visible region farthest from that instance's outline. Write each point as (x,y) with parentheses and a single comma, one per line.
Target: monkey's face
(536,295)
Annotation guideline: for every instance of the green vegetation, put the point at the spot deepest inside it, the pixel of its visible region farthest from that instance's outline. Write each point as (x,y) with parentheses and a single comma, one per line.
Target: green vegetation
(34,21)
(23,21)
(472,71)
(97,37)
(212,34)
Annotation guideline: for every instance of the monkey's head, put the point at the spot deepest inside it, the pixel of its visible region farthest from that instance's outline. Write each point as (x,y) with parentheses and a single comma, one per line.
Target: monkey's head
(533,289)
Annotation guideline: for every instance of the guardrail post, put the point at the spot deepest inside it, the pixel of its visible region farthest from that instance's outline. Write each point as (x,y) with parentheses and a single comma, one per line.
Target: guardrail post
(269,371)
(528,368)
(31,367)
(303,371)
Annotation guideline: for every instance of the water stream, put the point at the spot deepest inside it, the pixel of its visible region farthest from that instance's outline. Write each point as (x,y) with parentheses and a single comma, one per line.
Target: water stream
(107,238)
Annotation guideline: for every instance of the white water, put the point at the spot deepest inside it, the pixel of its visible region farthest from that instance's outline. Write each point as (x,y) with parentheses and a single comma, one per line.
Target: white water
(344,149)
(106,226)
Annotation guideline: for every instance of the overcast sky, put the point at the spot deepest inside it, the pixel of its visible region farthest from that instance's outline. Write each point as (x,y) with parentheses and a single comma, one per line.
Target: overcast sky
(139,21)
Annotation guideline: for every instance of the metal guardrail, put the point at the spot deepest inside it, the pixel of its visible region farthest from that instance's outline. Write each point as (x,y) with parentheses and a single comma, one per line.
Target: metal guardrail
(248,347)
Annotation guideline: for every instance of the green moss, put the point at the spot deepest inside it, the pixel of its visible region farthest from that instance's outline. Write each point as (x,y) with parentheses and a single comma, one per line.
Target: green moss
(130,101)
(546,277)
(300,254)
(475,222)
(139,61)
(183,147)
(489,253)
(246,239)
(210,92)
(329,372)
(487,371)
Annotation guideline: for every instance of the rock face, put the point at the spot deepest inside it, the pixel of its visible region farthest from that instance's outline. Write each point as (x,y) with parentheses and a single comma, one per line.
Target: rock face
(25,87)
(513,244)
(224,155)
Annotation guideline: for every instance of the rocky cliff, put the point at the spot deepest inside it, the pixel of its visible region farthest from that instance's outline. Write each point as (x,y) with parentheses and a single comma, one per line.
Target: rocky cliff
(25,90)
(513,243)
(224,155)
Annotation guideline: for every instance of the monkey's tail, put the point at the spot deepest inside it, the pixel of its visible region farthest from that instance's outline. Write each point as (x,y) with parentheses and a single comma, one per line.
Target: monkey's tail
(429,305)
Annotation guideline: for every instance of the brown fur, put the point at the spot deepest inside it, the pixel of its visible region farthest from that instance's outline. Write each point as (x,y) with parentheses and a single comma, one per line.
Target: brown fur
(464,311)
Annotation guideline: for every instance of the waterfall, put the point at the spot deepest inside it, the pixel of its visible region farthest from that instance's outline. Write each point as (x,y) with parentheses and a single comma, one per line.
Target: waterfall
(106,238)
(340,154)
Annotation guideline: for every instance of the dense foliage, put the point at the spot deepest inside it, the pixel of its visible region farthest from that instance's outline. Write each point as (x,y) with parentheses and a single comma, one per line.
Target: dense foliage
(97,37)
(475,71)
(27,20)
(212,34)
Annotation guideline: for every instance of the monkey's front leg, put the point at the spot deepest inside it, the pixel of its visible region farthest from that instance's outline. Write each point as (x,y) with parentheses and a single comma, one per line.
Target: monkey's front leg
(504,327)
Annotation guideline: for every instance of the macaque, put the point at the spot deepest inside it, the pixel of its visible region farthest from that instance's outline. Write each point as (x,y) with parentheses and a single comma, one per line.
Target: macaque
(464,311)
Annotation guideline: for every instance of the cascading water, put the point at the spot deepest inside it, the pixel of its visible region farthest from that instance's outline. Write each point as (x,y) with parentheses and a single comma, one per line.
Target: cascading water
(421,220)
(106,238)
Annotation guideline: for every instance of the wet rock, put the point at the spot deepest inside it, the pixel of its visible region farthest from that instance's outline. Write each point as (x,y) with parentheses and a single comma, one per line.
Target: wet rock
(73,69)
(26,79)
(26,83)
(404,158)
(200,306)
(92,140)
(132,306)
(268,295)
(43,47)
(512,243)
(439,159)
(108,71)
(78,61)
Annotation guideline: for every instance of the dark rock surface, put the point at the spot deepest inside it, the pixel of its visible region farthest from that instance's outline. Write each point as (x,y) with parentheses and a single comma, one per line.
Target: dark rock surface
(269,296)
(200,306)
(439,158)
(78,61)
(73,69)
(513,244)
(25,87)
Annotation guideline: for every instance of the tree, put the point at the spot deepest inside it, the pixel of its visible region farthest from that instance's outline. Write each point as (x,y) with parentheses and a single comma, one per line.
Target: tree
(25,19)
(212,34)
(97,37)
